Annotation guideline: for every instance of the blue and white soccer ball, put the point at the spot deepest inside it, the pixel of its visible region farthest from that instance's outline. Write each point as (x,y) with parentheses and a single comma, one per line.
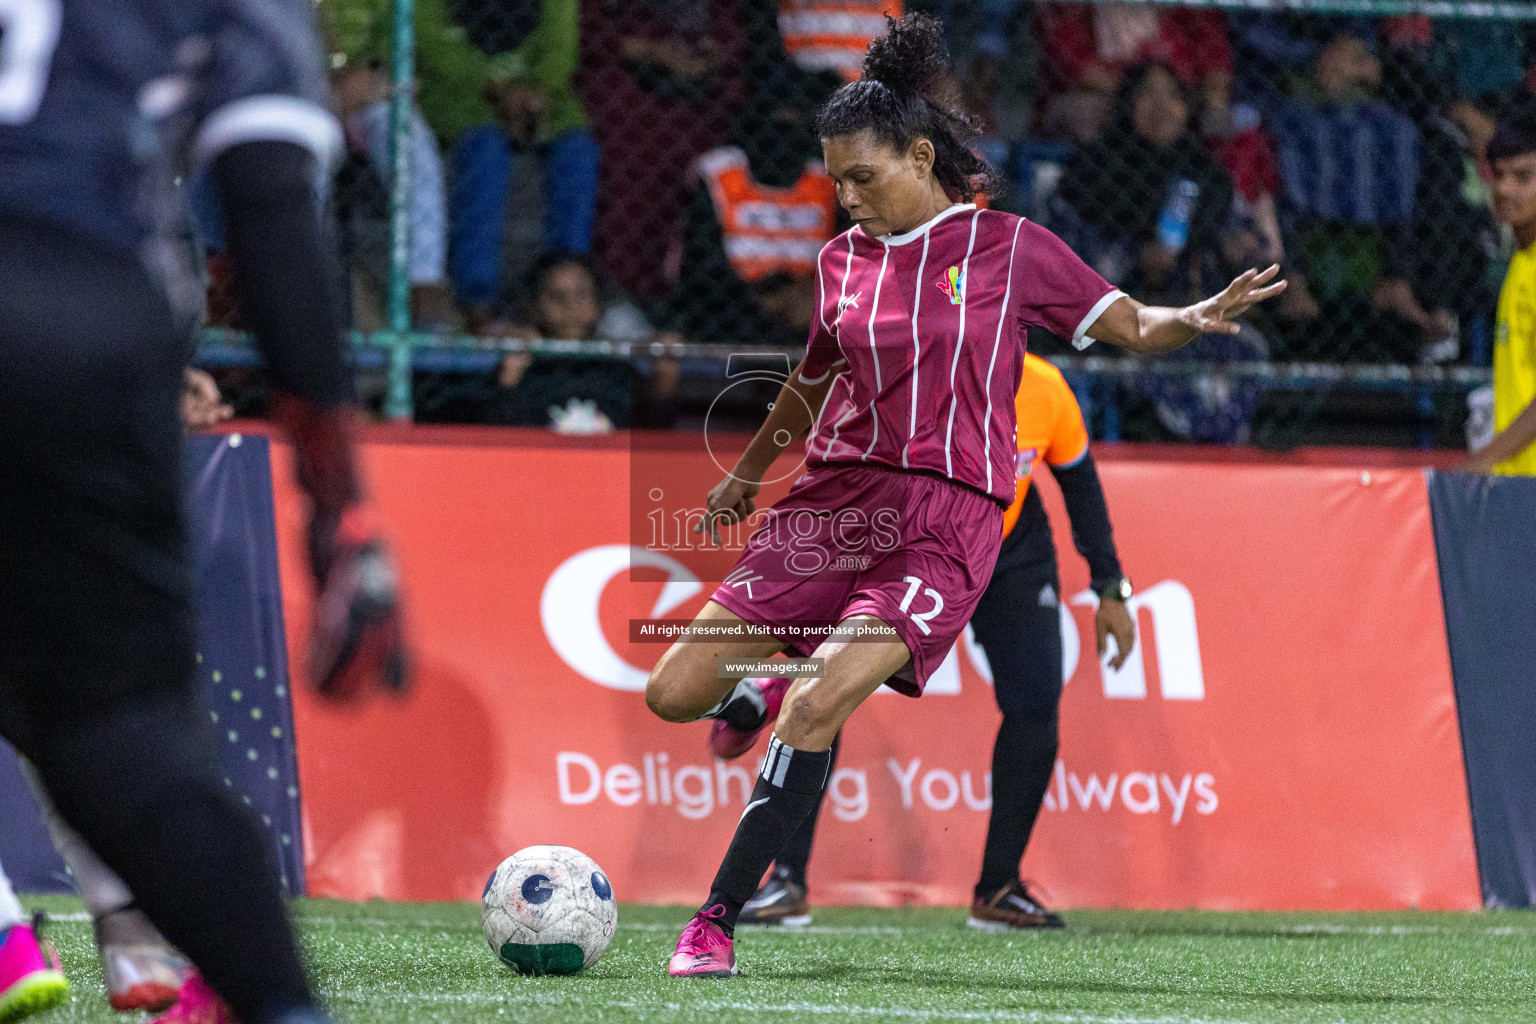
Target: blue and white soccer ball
(549,910)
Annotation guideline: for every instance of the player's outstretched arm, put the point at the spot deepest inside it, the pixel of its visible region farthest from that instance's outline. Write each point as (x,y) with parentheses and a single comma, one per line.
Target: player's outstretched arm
(1153,330)
(792,413)
(267,197)
(1510,442)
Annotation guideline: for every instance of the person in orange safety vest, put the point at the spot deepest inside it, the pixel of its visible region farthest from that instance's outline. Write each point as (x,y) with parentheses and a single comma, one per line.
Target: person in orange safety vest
(832,35)
(744,268)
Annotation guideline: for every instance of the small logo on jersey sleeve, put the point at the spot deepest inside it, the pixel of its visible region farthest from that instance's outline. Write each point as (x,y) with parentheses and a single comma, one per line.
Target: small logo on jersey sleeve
(952,284)
(846,303)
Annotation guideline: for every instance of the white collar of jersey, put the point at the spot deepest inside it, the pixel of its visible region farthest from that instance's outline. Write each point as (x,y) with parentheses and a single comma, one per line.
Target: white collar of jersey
(923,229)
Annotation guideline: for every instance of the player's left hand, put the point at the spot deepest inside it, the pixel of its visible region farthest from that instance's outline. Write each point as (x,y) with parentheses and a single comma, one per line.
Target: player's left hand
(1218,314)
(1479,462)
(1113,619)
(201,404)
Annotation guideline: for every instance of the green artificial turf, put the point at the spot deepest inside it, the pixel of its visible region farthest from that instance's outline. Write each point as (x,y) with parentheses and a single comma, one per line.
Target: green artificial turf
(389,963)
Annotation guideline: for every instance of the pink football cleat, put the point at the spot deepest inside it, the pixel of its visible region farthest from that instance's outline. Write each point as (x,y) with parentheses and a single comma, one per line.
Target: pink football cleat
(729,742)
(196,1003)
(31,980)
(704,950)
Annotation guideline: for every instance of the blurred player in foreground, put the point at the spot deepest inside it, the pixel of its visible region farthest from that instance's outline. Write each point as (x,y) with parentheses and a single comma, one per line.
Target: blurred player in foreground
(141,970)
(104,106)
(918,339)
(1018,624)
(1512,153)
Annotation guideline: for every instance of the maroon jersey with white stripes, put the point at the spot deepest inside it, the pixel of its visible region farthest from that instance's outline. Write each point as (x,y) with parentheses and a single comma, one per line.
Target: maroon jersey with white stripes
(927,330)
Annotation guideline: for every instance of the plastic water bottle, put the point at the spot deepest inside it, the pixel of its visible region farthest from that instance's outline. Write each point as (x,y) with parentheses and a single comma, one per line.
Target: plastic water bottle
(1173,221)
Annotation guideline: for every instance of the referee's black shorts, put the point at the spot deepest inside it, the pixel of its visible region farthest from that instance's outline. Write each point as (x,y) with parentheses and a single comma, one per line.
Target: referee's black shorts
(1018,624)
(95,592)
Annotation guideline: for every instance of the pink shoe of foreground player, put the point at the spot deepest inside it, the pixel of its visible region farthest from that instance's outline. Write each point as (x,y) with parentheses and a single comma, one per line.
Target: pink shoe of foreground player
(31,980)
(196,1003)
(704,950)
(767,695)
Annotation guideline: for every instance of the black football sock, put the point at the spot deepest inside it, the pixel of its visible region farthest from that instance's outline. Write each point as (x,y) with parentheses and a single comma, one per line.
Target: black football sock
(743,708)
(792,862)
(1022,762)
(785,795)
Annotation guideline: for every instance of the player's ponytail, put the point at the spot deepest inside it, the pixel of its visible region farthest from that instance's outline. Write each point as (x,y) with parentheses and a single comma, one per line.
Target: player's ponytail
(901,98)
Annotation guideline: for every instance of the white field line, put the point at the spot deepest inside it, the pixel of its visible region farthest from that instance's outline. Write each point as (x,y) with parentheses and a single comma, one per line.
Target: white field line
(815,1009)
(375,922)
(1496,931)
(1397,929)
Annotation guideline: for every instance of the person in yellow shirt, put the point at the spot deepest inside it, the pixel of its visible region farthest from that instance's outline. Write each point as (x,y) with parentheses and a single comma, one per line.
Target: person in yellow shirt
(1512,153)
(1018,625)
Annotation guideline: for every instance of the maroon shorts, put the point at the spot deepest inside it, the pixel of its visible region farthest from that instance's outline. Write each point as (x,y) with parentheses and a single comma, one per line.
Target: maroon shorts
(912,550)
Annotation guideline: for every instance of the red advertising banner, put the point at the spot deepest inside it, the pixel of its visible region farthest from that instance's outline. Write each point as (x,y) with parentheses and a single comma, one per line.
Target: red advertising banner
(1284,737)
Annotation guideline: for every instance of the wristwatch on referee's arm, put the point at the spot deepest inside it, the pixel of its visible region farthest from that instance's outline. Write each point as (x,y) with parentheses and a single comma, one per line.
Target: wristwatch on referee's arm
(1114,590)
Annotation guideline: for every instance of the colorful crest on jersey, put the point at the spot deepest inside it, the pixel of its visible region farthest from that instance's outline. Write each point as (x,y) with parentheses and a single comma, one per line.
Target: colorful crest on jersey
(952,284)
(1026,462)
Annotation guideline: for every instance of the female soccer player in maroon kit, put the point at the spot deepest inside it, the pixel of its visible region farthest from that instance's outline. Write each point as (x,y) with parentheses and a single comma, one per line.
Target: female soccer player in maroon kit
(876,558)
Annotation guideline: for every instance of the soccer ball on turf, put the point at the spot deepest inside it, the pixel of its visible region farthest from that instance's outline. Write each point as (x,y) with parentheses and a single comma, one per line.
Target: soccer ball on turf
(548,910)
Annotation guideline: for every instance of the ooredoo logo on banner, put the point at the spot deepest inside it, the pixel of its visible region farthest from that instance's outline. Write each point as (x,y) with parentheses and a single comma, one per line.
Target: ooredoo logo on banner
(1279,738)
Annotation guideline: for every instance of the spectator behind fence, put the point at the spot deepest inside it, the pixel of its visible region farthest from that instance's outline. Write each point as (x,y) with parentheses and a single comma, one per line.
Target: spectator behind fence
(756,220)
(488,108)
(1091,46)
(362,100)
(1512,153)
(1147,204)
(1350,164)
(662,81)
(566,392)
(1161,219)
(832,35)
(1453,214)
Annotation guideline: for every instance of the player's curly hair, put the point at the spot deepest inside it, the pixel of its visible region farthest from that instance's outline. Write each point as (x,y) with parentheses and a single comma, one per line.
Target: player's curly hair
(901,98)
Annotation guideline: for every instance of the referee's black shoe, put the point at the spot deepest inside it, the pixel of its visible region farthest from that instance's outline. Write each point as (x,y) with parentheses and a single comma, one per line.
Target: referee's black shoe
(779,901)
(1012,908)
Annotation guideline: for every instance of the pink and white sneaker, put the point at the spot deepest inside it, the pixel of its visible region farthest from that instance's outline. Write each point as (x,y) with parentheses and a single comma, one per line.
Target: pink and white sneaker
(141,969)
(196,1003)
(31,979)
(704,950)
(728,742)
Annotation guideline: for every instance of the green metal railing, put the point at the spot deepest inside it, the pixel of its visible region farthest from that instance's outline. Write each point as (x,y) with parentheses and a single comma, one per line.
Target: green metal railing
(398,403)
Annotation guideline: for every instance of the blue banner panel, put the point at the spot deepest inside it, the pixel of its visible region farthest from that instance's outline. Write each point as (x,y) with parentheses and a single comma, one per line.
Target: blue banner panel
(242,663)
(1485,537)
(25,852)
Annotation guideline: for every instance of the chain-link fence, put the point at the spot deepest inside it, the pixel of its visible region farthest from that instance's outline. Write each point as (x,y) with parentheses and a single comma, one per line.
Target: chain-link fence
(640,175)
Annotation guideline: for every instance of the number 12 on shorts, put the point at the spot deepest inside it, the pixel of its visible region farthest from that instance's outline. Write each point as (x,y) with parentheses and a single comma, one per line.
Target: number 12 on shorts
(920,619)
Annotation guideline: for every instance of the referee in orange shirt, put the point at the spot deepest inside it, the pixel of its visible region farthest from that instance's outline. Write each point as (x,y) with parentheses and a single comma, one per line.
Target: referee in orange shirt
(1018,624)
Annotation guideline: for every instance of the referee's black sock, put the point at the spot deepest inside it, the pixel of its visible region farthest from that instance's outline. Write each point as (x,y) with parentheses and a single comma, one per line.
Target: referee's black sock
(786,793)
(1022,762)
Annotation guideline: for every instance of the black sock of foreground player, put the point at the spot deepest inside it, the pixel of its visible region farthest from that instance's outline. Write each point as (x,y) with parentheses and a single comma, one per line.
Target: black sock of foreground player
(139,785)
(1022,762)
(785,795)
